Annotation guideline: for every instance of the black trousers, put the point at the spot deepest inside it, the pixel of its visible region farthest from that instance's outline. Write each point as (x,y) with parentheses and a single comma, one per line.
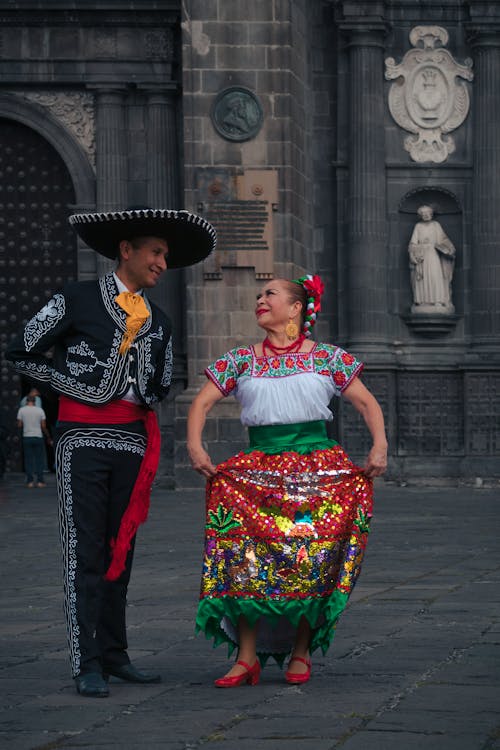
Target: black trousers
(96,467)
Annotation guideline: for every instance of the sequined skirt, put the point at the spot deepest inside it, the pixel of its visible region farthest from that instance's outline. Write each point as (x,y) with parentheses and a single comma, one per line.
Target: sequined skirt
(285,538)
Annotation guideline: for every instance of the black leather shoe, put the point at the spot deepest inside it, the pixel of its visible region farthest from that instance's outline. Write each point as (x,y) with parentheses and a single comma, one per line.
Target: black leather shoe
(92,685)
(131,674)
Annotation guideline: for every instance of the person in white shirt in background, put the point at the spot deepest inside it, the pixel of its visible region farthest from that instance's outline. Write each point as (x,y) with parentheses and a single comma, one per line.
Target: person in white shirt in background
(32,420)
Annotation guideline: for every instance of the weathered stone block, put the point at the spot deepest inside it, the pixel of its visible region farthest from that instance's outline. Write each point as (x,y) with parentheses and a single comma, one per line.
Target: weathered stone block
(214,81)
(260,10)
(231,430)
(274,34)
(202,10)
(234,33)
(279,58)
(226,153)
(273,80)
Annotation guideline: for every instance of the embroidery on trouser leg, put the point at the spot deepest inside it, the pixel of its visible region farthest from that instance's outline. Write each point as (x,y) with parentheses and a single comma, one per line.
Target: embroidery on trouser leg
(69,442)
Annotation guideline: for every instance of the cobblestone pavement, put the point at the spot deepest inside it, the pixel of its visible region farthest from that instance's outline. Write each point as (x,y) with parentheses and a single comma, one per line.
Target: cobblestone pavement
(415,663)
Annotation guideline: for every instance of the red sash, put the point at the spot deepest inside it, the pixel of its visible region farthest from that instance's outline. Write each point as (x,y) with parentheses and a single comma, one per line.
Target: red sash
(121,412)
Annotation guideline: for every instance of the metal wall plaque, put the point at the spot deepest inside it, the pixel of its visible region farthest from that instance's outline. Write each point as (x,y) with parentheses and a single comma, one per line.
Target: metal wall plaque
(237,114)
(240,205)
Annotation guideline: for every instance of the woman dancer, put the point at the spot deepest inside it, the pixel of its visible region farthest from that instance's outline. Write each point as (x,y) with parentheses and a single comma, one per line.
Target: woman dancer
(288,519)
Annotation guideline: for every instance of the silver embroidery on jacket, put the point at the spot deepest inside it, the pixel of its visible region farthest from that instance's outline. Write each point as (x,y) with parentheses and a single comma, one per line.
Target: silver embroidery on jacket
(81,358)
(48,317)
(113,381)
(37,371)
(166,377)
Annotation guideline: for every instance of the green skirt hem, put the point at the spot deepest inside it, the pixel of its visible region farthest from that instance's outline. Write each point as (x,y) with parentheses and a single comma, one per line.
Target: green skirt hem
(321,613)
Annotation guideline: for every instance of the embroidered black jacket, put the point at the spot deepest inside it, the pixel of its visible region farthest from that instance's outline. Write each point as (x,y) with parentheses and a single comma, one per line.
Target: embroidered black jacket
(84,326)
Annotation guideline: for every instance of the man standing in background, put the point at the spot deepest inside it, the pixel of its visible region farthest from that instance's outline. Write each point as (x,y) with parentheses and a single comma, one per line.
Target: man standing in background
(31,419)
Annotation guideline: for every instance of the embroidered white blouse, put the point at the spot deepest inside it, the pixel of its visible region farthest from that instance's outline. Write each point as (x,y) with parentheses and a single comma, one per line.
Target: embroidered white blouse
(284,389)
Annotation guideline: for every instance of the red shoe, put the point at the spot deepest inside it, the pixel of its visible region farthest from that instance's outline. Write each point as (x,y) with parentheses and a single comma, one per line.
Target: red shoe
(296,678)
(250,676)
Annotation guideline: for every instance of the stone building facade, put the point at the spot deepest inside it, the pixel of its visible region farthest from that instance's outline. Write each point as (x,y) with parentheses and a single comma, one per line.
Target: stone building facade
(310,132)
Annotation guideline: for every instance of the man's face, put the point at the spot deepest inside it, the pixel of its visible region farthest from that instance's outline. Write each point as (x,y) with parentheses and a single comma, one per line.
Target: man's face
(142,261)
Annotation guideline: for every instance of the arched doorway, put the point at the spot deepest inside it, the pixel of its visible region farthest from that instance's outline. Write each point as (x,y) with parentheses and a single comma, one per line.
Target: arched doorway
(38,250)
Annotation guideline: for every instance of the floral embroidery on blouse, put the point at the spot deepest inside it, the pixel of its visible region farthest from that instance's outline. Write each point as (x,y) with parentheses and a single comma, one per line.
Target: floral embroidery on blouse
(324,359)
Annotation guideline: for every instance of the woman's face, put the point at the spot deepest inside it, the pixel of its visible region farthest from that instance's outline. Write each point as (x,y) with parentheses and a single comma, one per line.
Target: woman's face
(274,309)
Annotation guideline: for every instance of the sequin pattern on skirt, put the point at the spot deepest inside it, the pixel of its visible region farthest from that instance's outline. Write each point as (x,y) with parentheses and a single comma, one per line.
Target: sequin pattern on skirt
(285,536)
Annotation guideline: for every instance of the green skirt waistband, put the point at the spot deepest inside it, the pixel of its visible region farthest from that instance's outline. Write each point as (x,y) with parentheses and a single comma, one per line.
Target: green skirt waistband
(300,437)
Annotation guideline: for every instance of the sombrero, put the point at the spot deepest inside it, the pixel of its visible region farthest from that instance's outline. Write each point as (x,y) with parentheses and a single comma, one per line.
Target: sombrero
(190,238)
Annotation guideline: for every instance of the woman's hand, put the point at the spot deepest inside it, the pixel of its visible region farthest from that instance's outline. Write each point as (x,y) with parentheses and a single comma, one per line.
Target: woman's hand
(201,462)
(367,405)
(202,403)
(376,461)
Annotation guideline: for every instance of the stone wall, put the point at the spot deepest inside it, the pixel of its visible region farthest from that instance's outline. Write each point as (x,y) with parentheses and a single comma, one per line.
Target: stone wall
(348,186)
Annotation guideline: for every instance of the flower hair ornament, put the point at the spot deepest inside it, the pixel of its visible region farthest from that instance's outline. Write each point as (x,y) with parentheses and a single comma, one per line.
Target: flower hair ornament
(314,288)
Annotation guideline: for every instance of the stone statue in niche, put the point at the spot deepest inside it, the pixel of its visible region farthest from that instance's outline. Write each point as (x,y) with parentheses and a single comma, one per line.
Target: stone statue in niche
(432,260)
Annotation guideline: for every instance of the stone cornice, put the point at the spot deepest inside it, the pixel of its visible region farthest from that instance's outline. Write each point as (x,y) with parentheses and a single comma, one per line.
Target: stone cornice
(487,35)
(100,15)
(363,33)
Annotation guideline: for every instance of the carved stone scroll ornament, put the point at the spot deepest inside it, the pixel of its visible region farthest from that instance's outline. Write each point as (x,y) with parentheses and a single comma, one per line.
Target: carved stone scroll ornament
(427,97)
(74,109)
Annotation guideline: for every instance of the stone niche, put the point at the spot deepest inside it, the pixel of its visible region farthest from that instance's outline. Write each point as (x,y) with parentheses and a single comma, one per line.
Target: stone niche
(423,319)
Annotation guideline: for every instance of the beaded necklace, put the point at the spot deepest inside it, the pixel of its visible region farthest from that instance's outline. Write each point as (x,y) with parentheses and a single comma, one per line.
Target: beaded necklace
(279,350)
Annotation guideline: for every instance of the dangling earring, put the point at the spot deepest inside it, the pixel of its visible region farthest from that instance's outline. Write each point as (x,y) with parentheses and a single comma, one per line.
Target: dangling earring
(291,330)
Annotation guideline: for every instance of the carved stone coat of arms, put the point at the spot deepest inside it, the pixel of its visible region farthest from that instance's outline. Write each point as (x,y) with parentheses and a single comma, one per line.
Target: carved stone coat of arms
(429,97)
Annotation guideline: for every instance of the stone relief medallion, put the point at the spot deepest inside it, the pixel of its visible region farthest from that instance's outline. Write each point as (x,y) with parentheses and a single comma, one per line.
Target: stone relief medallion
(237,114)
(429,97)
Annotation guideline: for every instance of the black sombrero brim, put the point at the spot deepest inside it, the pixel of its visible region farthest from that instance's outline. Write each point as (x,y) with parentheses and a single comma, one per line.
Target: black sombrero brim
(190,238)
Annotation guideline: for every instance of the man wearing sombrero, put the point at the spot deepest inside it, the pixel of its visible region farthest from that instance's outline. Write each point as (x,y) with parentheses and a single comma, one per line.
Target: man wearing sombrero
(112,361)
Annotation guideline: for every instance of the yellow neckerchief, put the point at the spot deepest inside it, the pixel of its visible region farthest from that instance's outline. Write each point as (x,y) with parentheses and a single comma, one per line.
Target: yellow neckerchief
(137,313)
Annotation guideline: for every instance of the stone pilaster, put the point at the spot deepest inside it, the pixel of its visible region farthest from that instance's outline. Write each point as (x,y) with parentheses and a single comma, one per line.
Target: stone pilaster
(111,156)
(163,189)
(366,259)
(485,293)
(162,150)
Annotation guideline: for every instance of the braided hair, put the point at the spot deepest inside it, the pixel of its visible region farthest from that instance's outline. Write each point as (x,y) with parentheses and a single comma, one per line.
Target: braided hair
(314,288)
